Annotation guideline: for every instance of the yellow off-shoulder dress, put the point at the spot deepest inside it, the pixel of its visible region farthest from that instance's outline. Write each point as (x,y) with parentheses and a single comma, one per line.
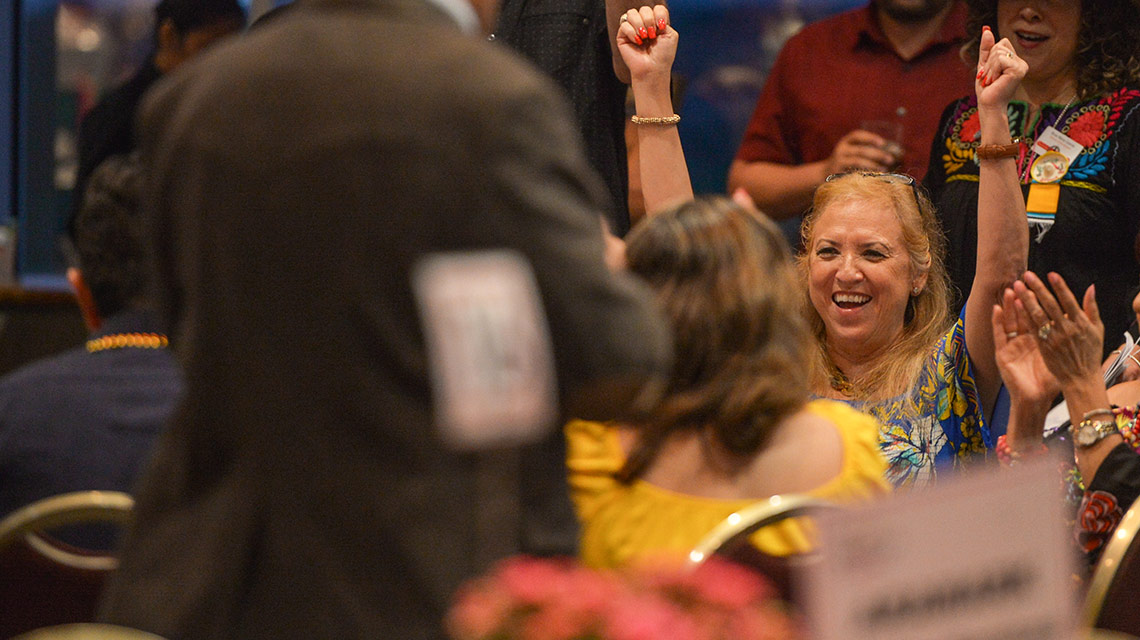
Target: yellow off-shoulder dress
(622,523)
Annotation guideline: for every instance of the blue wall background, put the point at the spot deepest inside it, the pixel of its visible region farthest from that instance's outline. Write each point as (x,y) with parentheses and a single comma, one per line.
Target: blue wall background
(726,50)
(727,47)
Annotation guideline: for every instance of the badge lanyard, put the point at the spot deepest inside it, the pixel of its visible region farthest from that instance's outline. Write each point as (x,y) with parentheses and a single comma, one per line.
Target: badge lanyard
(1054,152)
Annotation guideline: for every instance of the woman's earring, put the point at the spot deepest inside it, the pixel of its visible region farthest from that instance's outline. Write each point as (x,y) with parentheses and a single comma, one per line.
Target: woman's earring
(915,291)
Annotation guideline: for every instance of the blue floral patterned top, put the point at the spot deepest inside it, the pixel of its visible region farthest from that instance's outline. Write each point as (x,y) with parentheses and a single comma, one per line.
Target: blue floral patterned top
(939,425)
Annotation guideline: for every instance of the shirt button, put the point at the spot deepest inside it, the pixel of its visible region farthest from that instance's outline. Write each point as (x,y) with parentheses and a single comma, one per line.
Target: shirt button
(491,37)
(900,112)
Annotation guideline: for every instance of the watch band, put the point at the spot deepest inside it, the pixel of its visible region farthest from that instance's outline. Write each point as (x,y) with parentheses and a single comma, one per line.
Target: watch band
(1090,432)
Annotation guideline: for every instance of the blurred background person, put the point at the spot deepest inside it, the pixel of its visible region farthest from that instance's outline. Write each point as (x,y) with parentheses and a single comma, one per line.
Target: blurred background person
(182,29)
(572,41)
(860,90)
(314,482)
(1080,95)
(87,418)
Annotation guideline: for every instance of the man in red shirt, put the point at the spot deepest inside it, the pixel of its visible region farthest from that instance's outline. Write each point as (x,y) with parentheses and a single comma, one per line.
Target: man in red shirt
(890,66)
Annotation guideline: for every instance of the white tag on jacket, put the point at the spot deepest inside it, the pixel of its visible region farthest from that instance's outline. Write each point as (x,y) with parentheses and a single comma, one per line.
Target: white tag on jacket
(488,347)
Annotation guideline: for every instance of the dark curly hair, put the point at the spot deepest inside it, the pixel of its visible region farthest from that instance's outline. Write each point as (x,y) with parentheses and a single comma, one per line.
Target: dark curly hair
(1108,42)
(108,246)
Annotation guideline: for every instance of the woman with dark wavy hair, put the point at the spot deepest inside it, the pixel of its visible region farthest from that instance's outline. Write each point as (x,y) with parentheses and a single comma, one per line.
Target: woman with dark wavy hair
(1077,114)
(736,419)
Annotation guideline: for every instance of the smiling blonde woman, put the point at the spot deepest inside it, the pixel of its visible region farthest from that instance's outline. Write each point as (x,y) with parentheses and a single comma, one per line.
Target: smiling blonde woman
(876,296)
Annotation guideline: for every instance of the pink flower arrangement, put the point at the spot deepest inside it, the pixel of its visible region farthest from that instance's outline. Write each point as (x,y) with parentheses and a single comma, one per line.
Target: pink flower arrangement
(534,599)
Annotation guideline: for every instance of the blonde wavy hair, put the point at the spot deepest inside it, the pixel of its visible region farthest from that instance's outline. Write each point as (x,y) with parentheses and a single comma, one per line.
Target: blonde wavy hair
(724,277)
(927,314)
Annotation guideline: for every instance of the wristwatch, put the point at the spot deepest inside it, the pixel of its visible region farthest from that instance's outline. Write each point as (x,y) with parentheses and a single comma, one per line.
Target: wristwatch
(1090,432)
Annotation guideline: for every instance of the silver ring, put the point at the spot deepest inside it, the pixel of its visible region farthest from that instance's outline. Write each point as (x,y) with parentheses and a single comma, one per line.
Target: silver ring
(1009,54)
(1044,330)
(1011,335)
(623,18)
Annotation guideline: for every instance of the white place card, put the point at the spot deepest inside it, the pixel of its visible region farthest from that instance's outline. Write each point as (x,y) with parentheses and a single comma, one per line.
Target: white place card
(983,556)
(489,350)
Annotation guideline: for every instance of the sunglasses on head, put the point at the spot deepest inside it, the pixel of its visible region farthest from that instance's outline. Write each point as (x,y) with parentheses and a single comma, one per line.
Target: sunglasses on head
(893,178)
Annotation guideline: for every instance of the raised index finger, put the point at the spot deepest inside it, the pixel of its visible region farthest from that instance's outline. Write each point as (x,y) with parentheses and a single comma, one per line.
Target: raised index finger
(984,45)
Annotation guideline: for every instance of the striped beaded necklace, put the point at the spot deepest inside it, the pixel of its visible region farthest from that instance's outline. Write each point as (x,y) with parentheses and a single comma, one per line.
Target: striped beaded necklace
(127,341)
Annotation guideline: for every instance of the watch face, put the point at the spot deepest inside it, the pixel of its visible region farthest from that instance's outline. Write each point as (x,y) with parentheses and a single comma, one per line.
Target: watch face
(1086,435)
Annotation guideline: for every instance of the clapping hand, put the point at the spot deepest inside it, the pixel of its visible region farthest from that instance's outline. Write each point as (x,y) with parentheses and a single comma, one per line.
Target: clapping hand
(1069,336)
(1023,370)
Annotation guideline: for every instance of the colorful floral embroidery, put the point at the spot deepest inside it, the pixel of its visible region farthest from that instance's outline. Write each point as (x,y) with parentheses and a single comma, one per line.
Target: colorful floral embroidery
(1090,163)
(969,128)
(939,424)
(1092,125)
(1097,518)
(1088,127)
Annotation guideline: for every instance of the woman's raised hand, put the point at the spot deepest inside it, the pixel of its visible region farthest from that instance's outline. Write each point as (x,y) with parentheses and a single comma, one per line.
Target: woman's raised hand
(647,42)
(1000,71)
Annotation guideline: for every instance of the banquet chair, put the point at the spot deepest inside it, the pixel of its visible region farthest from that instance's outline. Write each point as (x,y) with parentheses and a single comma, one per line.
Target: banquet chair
(730,540)
(1111,599)
(44,580)
(87,631)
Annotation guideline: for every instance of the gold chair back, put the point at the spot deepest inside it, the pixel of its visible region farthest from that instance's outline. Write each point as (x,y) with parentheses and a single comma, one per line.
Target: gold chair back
(86,631)
(44,581)
(730,540)
(1111,599)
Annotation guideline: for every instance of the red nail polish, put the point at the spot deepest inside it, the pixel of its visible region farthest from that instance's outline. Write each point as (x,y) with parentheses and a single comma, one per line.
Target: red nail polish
(661,24)
(637,39)
(643,33)
(979,76)
(652,32)
(985,28)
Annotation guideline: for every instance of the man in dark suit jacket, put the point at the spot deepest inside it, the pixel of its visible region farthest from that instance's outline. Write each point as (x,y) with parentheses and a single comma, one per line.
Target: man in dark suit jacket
(575,43)
(309,485)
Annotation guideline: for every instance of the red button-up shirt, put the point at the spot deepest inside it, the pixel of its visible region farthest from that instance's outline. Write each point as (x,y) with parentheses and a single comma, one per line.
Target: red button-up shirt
(839,72)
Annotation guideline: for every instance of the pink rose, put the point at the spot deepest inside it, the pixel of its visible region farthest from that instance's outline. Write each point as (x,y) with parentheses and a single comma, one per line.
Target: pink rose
(559,621)
(649,617)
(724,584)
(531,581)
(768,623)
(479,610)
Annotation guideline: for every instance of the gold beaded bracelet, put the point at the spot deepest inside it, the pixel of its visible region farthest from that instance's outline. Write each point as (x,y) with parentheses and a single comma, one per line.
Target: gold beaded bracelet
(673,119)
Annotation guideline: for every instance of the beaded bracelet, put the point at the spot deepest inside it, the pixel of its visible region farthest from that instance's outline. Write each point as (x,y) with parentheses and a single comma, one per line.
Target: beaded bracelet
(1008,457)
(1126,424)
(673,119)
